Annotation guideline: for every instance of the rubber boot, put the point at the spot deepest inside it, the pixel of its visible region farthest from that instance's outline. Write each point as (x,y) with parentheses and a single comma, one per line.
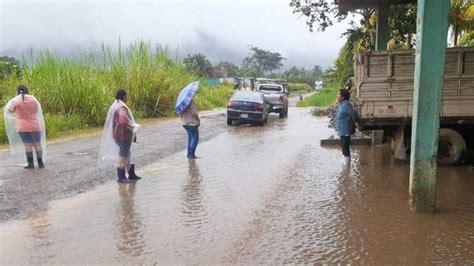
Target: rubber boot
(39,157)
(121,176)
(29,159)
(40,163)
(131,173)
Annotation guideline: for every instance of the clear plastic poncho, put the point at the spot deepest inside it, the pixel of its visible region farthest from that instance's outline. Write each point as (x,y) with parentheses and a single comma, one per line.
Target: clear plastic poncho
(118,125)
(24,114)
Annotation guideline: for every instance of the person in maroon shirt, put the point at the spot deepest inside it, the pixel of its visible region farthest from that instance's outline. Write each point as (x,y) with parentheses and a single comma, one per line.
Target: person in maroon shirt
(123,125)
(119,133)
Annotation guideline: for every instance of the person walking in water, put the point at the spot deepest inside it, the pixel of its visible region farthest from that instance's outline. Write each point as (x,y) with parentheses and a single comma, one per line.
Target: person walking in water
(345,122)
(191,122)
(119,131)
(25,127)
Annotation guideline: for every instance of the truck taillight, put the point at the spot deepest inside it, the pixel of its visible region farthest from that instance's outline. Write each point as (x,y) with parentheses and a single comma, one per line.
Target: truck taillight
(281,98)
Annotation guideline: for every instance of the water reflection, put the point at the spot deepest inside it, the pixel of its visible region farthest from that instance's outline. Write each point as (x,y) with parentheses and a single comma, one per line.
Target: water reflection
(193,209)
(272,198)
(130,239)
(40,235)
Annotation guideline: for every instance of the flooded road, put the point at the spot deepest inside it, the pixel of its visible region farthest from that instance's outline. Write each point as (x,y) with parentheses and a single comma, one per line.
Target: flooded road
(267,194)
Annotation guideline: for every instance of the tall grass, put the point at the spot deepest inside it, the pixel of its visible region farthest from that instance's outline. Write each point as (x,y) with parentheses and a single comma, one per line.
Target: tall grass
(299,87)
(75,92)
(3,133)
(325,97)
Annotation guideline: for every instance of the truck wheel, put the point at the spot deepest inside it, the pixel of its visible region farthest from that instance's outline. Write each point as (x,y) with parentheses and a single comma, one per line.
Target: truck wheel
(451,146)
(229,122)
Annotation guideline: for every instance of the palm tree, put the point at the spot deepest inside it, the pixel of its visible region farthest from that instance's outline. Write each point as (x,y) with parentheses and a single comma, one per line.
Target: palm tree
(459,19)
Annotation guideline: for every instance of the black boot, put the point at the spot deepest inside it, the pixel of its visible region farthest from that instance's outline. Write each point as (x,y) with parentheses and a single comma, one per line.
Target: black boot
(121,176)
(29,159)
(131,173)
(39,157)
(40,163)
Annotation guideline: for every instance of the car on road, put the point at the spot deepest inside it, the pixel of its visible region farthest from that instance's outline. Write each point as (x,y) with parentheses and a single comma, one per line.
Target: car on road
(247,107)
(277,97)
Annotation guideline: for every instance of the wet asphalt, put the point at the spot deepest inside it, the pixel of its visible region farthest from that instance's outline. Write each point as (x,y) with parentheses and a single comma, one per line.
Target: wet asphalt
(71,168)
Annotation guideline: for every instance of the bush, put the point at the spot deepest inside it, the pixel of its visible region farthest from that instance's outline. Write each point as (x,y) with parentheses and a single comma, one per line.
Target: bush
(56,125)
(299,87)
(3,132)
(325,97)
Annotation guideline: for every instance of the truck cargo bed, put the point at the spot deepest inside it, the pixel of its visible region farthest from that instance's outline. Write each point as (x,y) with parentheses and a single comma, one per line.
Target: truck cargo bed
(384,82)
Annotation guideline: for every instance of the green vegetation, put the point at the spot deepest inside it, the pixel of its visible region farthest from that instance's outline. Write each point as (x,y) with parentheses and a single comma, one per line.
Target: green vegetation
(232,69)
(3,132)
(9,65)
(459,19)
(75,93)
(260,62)
(361,35)
(209,98)
(325,97)
(302,75)
(299,75)
(467,40)
(299,87)
(199,65)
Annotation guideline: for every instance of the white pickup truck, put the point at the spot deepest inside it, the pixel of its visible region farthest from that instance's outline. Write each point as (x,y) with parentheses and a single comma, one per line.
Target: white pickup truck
(276,96)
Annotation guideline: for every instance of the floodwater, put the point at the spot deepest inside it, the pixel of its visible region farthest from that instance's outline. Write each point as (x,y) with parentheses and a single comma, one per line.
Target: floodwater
(266,195)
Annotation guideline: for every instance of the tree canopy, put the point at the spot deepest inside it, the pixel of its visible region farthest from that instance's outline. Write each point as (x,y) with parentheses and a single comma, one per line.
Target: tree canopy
(361,35)
(199,65)
(232,69)
(261,61)
(9,65)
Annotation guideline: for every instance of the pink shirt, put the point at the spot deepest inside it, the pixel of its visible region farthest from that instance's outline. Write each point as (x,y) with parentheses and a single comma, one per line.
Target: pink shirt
(26,114)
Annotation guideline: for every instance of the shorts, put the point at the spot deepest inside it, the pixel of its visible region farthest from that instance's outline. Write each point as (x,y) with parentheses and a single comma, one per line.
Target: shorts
(124,148)
(30,137)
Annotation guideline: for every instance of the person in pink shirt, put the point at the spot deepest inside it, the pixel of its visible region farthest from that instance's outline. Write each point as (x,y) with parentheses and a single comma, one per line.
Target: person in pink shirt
(24,121)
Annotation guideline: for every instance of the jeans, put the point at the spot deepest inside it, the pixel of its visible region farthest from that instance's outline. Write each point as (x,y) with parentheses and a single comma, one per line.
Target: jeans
(193,140)
(345,142)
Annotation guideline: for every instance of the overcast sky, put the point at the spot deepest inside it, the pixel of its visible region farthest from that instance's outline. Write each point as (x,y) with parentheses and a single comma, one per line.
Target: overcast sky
(220,29)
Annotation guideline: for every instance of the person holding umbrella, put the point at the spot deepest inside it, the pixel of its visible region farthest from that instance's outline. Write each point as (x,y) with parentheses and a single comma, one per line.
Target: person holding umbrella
(119,131)
(188,111)
(25,127)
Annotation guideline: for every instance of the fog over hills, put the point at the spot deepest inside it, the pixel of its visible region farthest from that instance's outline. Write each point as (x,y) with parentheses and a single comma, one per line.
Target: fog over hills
(222,30)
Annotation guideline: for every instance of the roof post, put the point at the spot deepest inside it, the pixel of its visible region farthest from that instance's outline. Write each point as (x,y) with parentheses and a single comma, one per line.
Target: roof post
(382,26)
(431,32)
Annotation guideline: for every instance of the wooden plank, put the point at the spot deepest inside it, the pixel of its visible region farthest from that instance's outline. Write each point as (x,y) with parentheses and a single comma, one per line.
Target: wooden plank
(468,62)
(377,66)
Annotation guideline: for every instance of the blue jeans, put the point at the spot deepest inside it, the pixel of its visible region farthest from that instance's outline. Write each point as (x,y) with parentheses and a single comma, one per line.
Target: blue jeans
(193,140)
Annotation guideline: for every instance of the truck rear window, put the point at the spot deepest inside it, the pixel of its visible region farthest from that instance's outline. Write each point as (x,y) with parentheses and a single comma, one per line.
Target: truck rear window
(270,88)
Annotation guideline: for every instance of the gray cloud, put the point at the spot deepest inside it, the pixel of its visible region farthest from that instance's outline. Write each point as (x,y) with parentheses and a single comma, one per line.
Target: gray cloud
(222,30)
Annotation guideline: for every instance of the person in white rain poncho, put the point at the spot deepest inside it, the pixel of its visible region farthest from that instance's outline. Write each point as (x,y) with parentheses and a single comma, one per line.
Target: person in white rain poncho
(25,127)
(119,132)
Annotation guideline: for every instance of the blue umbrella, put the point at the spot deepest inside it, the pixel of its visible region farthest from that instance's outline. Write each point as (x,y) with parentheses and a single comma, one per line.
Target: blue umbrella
(186,96)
